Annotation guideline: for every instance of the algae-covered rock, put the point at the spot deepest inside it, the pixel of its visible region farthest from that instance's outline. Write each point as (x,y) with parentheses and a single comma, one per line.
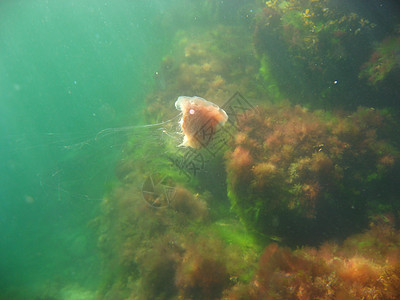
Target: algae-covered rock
(304,177)
(365,266)
(313,51)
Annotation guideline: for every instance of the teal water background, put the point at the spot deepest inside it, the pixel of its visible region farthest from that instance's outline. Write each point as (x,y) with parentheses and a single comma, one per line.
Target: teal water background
(68,70)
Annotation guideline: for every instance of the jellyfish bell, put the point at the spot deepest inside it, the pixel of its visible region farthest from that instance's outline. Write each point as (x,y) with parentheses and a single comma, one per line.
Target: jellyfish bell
(200,120)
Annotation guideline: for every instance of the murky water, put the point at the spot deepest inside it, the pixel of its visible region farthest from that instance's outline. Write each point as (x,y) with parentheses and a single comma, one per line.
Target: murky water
(87,89)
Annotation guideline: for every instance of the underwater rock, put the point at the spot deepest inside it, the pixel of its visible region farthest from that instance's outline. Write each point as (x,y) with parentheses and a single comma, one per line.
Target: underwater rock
(304,177)
(296,176)
(366,266)
(312,52)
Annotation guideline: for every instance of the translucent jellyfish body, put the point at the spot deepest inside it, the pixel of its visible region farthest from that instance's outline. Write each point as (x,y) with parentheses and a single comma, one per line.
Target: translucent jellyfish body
(200,120)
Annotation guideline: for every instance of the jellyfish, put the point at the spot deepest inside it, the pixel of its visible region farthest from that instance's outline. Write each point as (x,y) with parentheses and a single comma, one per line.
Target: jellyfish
(200,120)
(194,127)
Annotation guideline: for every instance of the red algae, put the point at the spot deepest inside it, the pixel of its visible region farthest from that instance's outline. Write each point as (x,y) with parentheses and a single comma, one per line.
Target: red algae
(204,278)
(328,272)
(240,158)
(189,206)
(305,172)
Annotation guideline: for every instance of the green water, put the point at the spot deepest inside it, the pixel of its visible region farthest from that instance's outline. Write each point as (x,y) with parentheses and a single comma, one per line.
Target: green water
(68,70)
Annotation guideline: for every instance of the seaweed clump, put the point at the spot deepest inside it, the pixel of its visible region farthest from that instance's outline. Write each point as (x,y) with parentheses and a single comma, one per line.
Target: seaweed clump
(143,244)
(313,50)
(203,273)
(304,177)
(383,61)
(171,251)
(366,266)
